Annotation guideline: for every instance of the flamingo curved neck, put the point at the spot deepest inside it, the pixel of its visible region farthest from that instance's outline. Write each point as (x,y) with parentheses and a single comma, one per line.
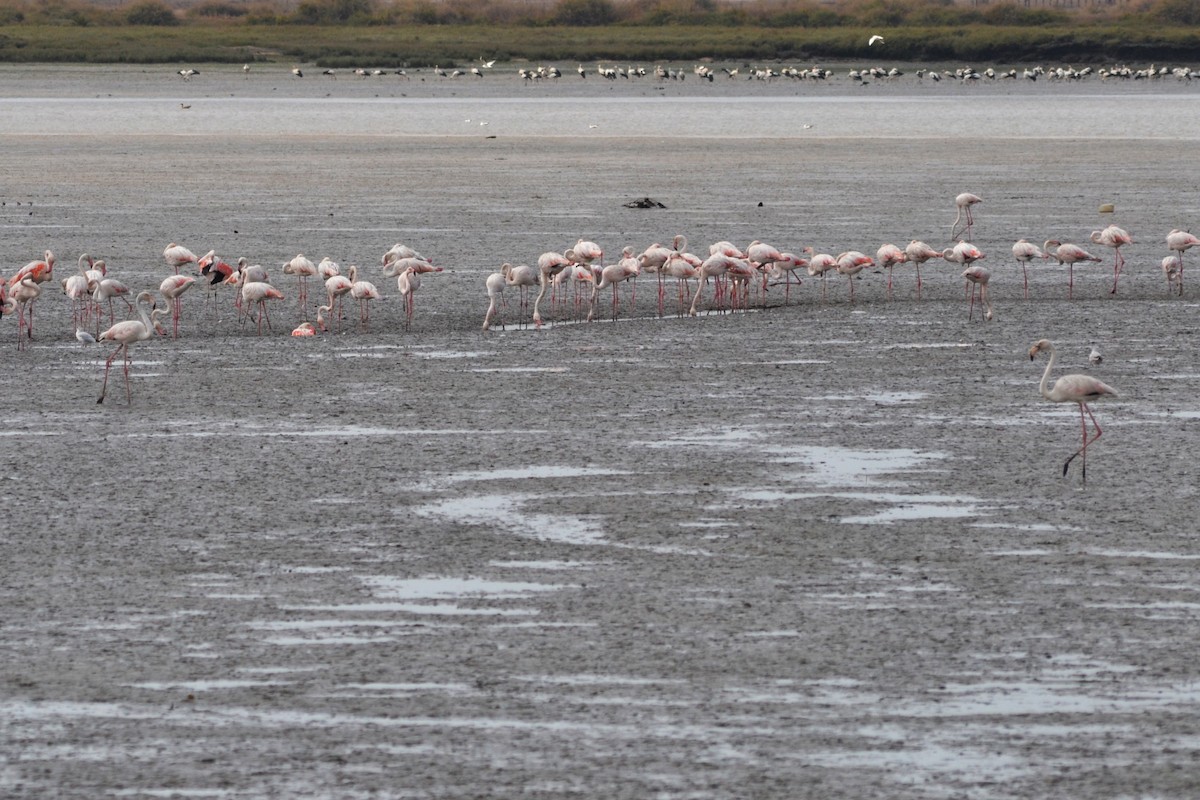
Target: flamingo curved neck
(1043,387)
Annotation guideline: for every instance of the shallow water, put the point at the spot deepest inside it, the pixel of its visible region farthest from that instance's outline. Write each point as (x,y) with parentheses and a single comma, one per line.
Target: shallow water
(816,550)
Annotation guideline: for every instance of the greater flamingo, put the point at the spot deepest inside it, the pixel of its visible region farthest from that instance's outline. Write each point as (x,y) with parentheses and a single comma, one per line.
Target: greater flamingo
(303,269)
(305,329)
(177,256)
(1072,389)
(818,265)
(1177,241)
(21,298)
(337,287)
(127,333)
(964,203)
(522,277)
(889,255)
(978,277)
(495,284)
(1025,252)
(364,292)
(1113,237)
(107,289)
(784,267)
(1172,267)
(258,292)
(172,290)
(682,269)
(850,263)
(613,275)
(1068,254)
(550,264)
(918,253)
(715,266)
(408,282)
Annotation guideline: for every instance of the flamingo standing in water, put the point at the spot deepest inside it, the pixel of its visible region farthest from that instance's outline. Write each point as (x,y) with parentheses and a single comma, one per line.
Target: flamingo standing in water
(523,277)
(818,265)
(128,333)
(964,202)
(38,271)
(20,298)
(1177,241)
(889,256)
(918,253)
(1025,252)
(850,263)
(784,267)
(613,275)
(364,292)
(78,289)
(258,293)
(550,265)
(1072,389)
(682,269)
(495,284)
(303,269)
(1172,267)
(107,289)
(408,281)
(1068,254)
(172,290)
(1113,237)
(178,256)
(978,277)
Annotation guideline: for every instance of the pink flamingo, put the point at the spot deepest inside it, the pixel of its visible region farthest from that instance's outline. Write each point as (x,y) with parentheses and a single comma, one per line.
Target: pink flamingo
(337,287)
(613,275)
(820,264)
(303,269)
(305,329)
(1072,389)
(1177,241)
(850,263)
(964,202)
(585,252)
(1068,254)
(78,290)
(889,256)
(258,293)
(784,267)
(328,268)
(1113,237)
(523,277)
(38,270)
(495,284)
(918,253)
(178,256)
(398,251)
(107,289)
(408,282)
(128,333)
(172,290)
(364,292)
(1172,267)
(1025,252)
(550,265)
(681,268)
(978,277)
(715,266)
(21,297)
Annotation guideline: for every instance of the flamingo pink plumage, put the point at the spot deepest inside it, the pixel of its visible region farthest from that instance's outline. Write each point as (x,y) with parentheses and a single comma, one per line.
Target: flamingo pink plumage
(964,202)
(178,256)
(1116,238)
(1025,252)
(917,252)
(850,263)
(1072,389)
(128,333)
(408,281)
(303,268)
(495,284)
(1177,241)
(889,255)
(978,278)
(1068,254)
(258,293)
(172,290)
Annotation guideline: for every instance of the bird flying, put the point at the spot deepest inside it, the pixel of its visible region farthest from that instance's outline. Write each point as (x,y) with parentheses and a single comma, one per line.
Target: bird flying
(874,39)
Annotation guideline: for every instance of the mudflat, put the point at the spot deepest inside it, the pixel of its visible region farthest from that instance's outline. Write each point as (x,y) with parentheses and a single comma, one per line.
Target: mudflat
(813,548)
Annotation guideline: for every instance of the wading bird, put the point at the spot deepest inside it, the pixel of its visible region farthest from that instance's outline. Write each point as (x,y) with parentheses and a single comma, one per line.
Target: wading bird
(128,333)
(964,202)
(1072,389)
(1113,237)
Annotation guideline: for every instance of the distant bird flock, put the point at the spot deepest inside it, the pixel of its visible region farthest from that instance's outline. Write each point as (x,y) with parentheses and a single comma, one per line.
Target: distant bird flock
(704,72)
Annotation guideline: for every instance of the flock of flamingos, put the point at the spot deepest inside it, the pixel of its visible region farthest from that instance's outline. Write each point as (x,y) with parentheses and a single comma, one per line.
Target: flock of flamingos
(578,272)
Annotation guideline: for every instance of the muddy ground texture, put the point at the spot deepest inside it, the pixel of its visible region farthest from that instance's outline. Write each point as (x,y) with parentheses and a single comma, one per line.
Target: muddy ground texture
(813,550)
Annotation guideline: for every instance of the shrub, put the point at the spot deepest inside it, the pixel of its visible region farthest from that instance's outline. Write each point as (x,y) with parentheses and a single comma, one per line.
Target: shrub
(217,8)
(317,12)
(150,12)
(584,12)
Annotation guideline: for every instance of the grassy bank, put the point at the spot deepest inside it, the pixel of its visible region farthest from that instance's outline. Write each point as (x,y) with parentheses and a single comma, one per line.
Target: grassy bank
(423,45)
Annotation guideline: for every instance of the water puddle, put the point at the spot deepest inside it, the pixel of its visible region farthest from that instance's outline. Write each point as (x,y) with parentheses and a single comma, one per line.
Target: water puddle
(504,512)
(843,466)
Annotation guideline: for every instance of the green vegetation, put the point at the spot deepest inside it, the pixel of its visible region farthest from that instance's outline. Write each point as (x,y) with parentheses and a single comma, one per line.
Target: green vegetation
(423,32)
